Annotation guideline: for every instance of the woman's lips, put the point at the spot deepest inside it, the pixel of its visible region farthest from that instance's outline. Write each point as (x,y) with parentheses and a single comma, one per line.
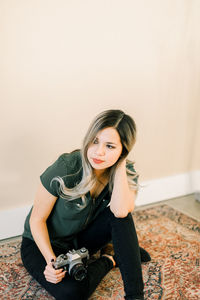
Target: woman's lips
(97,161)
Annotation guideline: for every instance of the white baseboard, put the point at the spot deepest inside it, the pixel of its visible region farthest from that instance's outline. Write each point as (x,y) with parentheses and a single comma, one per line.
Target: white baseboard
(195,180)
(12,220)
(168,188)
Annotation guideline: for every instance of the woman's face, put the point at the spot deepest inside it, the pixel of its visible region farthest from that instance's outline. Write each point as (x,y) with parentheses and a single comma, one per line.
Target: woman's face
(105,150)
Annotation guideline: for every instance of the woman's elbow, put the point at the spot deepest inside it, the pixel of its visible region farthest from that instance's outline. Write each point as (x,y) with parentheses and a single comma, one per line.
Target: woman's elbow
(36,221)
(120,213)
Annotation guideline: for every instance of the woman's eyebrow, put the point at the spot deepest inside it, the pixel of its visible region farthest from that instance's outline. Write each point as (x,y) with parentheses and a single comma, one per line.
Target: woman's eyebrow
(111,143)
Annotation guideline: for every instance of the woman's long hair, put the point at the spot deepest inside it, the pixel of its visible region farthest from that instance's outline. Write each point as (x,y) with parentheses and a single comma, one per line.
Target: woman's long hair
(126,129)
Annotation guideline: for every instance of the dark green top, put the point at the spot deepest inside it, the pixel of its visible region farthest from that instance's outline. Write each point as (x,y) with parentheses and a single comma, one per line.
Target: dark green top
(66,218)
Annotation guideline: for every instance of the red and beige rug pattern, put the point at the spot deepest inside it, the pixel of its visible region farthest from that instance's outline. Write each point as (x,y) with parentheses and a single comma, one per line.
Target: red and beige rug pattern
(172,239)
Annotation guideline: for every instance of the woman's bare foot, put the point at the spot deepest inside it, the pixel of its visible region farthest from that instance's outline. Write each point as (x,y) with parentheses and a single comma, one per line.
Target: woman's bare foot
(111,258)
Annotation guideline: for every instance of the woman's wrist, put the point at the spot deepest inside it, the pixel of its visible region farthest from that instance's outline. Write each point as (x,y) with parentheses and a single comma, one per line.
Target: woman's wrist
(120,170)
(50,259)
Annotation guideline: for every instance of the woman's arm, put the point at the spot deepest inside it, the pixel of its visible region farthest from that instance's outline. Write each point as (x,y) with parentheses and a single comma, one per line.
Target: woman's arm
(122,199)
(42,208)
(43,205)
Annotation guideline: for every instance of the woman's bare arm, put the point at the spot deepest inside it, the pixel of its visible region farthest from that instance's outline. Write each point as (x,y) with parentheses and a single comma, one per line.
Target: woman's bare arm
(123,198)
(43,205)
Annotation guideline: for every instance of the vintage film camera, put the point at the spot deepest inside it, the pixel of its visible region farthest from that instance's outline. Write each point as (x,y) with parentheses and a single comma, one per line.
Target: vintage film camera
(74,261)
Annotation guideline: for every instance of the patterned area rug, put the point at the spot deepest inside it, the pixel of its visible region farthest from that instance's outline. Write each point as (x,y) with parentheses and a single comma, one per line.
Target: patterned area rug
(172,239)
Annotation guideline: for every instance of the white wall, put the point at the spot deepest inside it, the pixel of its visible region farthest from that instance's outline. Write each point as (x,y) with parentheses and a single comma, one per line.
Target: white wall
(62,62)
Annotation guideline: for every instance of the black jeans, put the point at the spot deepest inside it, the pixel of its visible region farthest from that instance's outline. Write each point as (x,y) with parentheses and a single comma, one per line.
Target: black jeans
(102,230)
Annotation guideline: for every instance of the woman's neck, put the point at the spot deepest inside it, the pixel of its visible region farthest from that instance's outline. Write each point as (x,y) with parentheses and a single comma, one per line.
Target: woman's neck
(102,175)
(101,182)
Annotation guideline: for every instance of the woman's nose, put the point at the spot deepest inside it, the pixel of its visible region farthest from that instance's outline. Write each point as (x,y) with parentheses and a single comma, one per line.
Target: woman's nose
(100,150)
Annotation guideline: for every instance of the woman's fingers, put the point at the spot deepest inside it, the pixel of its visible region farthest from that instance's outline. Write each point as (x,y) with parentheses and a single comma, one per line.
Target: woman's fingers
(53,275)
(55,278)
(51,269)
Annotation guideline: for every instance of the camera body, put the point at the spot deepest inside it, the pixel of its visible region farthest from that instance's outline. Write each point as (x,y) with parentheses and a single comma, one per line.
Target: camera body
(74,261)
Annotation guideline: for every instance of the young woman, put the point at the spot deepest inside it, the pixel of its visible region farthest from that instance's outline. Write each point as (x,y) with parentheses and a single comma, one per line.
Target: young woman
(85,199)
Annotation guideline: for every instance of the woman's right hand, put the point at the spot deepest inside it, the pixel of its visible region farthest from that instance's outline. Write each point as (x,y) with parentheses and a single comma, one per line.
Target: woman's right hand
(52,275)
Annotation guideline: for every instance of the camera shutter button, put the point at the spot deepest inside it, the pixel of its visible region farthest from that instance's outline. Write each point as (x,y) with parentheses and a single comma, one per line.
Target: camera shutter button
(83,250)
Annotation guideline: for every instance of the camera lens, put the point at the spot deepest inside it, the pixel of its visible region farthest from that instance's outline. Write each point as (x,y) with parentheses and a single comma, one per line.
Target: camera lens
(79,272)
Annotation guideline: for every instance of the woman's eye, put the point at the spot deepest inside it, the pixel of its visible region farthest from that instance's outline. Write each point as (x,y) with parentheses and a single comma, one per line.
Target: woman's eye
(95,142)
(110,147)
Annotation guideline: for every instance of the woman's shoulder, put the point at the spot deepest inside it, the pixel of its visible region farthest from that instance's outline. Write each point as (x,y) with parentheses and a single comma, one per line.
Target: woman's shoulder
(130,164)
(130,168)
(68,166)
(72,161)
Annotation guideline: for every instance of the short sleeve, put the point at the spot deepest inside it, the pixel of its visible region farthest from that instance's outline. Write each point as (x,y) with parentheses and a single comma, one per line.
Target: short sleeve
(58,168)
(130,167)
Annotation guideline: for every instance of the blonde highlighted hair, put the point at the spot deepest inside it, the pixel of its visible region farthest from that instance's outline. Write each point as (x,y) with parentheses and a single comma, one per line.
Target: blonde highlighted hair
(126,129)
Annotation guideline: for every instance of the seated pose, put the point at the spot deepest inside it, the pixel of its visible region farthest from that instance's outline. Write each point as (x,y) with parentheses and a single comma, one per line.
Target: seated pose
(85,199)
